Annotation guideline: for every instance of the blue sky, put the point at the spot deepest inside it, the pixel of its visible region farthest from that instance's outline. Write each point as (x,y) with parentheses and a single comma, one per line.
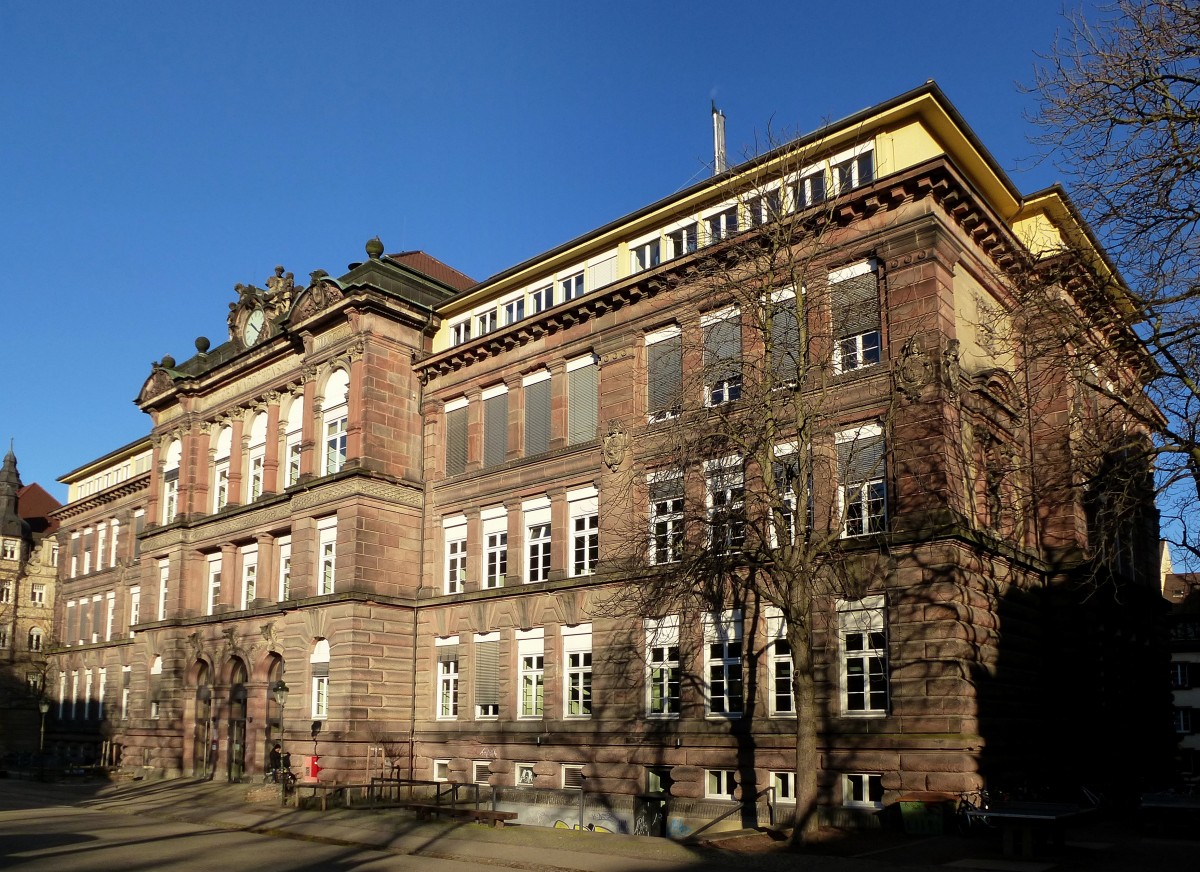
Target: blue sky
(156,154)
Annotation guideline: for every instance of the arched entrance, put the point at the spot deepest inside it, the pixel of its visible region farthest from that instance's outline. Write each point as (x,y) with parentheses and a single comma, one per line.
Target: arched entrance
(271,704)
(203,734)
(237,720)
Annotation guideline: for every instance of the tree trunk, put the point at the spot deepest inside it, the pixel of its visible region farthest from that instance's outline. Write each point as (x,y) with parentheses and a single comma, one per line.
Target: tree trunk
(799,634)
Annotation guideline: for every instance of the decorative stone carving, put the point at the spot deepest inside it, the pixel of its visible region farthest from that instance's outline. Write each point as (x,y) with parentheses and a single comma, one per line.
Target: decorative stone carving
(615,446)
(912,371)
(951,368)
(319,295)
(195,645)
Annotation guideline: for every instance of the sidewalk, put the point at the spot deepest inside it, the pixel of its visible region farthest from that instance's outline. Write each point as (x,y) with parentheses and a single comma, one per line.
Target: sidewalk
(1103,848)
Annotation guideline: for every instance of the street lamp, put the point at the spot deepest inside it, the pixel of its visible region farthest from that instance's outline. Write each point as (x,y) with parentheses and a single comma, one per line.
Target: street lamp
(43,707)
(280,691)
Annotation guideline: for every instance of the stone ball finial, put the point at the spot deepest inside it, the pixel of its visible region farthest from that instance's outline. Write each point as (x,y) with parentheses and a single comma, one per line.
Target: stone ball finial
(168,362)
(202,344)
(374,248)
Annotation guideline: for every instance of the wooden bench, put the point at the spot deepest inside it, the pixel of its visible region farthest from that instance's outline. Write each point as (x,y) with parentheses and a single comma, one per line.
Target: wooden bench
(426,810)
(323,791)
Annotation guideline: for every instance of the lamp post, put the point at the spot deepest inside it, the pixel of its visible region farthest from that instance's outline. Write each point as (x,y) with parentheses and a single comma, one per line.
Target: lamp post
(280,692)
(43,707)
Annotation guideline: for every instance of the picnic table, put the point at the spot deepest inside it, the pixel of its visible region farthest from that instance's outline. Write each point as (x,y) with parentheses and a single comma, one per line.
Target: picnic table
(1019,822)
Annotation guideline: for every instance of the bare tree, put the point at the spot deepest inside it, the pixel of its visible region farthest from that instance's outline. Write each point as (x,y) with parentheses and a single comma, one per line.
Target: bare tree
(1120,113)
(768,391)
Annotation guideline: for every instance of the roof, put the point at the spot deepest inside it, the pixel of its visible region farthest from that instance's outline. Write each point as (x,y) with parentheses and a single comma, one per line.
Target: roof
(35,506)
(434,268)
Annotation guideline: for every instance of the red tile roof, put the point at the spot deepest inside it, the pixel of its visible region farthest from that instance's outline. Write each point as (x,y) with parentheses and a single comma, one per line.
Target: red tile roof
(435,269)
(35,506)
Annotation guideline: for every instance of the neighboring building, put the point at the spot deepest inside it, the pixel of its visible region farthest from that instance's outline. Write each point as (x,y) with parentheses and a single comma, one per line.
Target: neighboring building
(28,554)
(405,495)
(1182,591)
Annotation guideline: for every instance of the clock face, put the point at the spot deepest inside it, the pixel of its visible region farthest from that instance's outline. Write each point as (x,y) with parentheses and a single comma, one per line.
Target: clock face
(254,327)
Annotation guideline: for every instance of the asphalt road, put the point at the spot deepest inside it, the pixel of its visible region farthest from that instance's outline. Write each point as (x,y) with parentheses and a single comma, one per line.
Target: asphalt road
(59,838)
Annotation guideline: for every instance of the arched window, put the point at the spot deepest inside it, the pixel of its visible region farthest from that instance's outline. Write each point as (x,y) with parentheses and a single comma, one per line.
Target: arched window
(35,639)
(319,665)
(334,421)
(256,457)
(170,483)
(220,474)
(293,436)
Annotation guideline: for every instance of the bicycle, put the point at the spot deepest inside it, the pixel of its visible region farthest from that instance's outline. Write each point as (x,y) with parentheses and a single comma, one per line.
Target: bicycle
(970,817)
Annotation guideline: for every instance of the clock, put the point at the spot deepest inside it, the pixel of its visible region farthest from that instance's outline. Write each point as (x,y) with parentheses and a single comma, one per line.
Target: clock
(253,328)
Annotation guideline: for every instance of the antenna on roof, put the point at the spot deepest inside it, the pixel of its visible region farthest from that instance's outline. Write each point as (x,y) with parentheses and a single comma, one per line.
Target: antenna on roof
(719,164)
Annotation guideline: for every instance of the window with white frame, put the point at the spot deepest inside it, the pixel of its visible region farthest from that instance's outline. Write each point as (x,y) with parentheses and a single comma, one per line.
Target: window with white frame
(249,560)
(170,485)
(541,299)
(524,774)
(531,671)
(220,473)
(441,770)
(460,331)
(87,550)
(602,271)
(723,224)
(284,581)
(318,664)
(126,676)
(74,570)
(863,642)
(809,189)
(164,575)
(785,352)
(571,287)
(666,517)
(101,681)
(583,399)
(853,168)
(3,638)
(664,373)
(536,387)
(326,555)
(720,783)
(577,659)
(456,436)
(495,546)
(514,310)
(722,355)
(862,789)
(765,207)
(35,639)
(37,594)
(683,241)
(454,535)
(725,481)
(861,474)
(110,608)
(97,607)
(723,663)
(214,582)
(10,549)
(495,425)
(335,419)
(663,668)
(779,664)
(73,711)
(139,526)
(584,510)
(485,322)
(293,441)
(447,678)
(487,675)
(784,784)
(256,457)
(114,527)
(537,539)
(645,255)
(101,544)
(793,487)
(5,592)
(1182,716)
(854,310)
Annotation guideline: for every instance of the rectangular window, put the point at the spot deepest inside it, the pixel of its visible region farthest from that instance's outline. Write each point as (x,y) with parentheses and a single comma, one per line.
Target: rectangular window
(571,287)
(531,664)
(666,518)
(722,356)
(255,487)
(645,255)
(447,678)
(456,437)
(37,594)
(1184,723)
(537,412)
(495,425)
(854,308)
(249,575)
(514,310)
(495,546)
(523,774)
(854,170)
(220,485)
(785,786)
(1181,675)
(779,662)
(766,207)
(285,568)
(320,696)
(487,676)
(115,526)
(720,783)
(541,299)
(663,671)
(5,592)
(725,482)
(164,570)
(683,241)
(577,657)
(87,550)
(785,352)
(454,533)
(793,488)
(441,770)
(863,641)
(214,583)
(808,190)
(723,224)
(139,526)
(460,332)
(583,505)
(110,608)
(335,440)
(723,663)
(863,491)
(126,674)
(326,555)
(863,790)
(170,497)
(537,540)
(485,322)
(293,451)
(664,373)
(101,544)
(582,399)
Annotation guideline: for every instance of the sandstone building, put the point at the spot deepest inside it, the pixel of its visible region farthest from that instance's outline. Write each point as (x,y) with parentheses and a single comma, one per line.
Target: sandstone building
(411,498)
